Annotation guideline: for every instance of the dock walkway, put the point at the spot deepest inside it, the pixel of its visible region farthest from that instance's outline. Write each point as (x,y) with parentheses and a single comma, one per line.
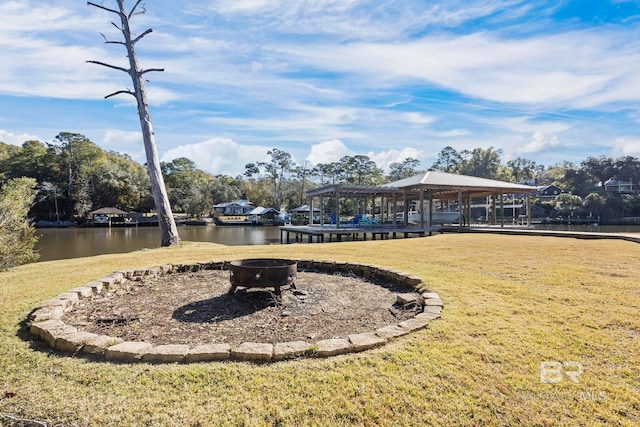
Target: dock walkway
(630,237)
(321,234)
(326,233)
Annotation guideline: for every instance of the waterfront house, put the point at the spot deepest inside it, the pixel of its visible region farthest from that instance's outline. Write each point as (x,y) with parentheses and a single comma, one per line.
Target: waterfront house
(237,207)
(620,186)
(237,212)
(549,191)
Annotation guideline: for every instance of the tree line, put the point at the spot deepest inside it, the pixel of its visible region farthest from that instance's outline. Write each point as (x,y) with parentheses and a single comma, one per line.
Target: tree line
(74,176)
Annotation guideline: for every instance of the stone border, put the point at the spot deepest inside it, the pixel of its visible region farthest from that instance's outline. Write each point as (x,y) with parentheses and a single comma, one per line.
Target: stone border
(46,322)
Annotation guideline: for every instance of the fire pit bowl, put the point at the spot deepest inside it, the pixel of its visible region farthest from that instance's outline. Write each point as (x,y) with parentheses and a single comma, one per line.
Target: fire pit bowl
(263,273)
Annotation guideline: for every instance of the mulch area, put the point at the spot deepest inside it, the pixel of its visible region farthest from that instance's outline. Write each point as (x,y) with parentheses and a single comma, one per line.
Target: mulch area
(193,308)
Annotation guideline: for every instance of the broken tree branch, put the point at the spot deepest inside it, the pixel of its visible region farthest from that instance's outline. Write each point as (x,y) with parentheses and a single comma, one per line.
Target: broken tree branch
(103,7)
(107,41)
(133,9)
(151,69)
(110,66)
(128,92)
(134,41)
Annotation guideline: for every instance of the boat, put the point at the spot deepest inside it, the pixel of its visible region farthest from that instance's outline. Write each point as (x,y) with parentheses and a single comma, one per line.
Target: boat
(436,217)
(101,221)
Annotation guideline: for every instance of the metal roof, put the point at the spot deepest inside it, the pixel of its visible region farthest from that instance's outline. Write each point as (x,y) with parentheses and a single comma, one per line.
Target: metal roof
(108,211)
(354,190)
(304,208)
(239,202)
(260,210)
(445,185)
(451,181)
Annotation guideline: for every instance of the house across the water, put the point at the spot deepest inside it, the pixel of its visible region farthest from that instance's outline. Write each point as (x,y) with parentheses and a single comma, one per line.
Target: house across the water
(233,213)
(111,217)
(264,216)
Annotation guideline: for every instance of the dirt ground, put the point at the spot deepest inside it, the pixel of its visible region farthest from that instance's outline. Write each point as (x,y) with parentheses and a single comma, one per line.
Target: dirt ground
(193,308)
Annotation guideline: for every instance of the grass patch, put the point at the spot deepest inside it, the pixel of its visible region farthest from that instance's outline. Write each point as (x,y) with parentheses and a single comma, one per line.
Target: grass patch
(511,302)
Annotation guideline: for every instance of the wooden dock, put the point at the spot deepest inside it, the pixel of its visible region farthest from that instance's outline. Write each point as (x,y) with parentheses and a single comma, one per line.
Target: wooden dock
(321,234)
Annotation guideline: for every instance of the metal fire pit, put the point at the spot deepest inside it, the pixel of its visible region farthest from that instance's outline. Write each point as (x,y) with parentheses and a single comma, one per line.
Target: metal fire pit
(263,273)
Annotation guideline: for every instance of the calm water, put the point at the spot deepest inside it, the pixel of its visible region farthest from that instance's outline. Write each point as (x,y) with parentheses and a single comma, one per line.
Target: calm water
(63,243)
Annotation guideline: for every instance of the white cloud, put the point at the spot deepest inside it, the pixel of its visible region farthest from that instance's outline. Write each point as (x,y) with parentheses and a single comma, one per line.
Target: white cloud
(538,142)
(219,155)
(17,139)
(45,49)
(627,147)
(385,158)
(334,150)
(363,72)
(329,151)
(453,133)
(573,68)
(419,119)
(243,6)
(120,137)
(356,19)
(527,124)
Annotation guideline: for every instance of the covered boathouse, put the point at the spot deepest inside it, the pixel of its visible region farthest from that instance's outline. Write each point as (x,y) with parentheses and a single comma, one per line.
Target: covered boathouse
(410,206)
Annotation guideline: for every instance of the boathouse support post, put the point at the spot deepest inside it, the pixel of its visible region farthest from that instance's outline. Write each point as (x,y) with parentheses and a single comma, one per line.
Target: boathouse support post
(321,211)
(528,209)
(501,209)
(460,210)
(405,202)
(422,208)
(494,196)
(386,208)
(395,209)
(364,210)
(337,195)
(430,210)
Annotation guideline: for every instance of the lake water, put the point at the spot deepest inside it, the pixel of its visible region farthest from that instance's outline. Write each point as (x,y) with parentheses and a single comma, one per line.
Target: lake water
(63,243)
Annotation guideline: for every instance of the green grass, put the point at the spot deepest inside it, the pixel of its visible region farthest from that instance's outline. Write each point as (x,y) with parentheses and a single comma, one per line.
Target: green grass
(510,303)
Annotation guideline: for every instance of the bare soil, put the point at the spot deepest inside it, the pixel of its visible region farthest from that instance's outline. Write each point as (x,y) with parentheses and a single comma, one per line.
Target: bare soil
(194,308)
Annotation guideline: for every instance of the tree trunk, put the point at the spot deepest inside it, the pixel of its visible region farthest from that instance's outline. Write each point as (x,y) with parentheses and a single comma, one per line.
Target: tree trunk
(166,221)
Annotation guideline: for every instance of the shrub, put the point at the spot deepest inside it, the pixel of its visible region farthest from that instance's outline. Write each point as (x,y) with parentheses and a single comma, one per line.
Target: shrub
(17,238)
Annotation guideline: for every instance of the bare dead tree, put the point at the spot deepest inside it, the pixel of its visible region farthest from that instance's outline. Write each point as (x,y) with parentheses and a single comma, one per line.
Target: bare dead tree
(165,216)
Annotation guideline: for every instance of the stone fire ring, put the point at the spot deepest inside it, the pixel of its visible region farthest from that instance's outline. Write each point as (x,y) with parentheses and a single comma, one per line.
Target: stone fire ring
(46,323)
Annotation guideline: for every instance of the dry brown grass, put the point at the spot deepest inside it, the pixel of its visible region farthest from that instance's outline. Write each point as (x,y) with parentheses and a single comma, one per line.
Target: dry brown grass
(510,303)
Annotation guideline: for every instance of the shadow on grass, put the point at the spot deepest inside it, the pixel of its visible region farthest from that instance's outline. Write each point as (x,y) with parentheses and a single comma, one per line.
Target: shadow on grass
(35,343)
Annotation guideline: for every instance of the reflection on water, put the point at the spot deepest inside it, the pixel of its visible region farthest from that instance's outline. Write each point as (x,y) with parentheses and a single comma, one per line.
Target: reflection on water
(63,243)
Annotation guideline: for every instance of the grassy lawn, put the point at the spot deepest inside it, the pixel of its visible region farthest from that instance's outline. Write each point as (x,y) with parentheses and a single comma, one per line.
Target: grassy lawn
(510,303)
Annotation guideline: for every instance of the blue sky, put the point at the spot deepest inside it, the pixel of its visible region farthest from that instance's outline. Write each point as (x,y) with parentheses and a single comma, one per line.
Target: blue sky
(550,81)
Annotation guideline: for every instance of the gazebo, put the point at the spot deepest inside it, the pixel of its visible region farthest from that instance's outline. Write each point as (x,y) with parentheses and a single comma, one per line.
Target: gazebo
(424,189)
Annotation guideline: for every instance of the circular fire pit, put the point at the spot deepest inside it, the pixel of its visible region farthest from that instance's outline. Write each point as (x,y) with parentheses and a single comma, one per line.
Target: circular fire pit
(263,273)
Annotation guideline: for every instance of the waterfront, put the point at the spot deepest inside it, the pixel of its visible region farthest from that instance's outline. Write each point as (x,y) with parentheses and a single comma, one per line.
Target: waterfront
(64,243)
